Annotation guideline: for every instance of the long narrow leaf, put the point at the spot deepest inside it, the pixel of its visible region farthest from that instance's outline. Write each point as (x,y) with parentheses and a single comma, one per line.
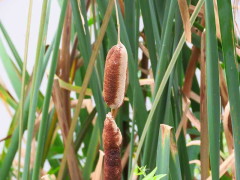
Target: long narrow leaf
(213,100)
(227,35)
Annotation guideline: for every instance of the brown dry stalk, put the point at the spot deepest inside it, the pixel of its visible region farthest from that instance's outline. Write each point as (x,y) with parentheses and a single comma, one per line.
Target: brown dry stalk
(6,138)
(115,76)
(112,140)
(144,50)
(192,8)
(61,97)
(192,118)
(62,119)
(190,72)
(64,65)
(223,87)
(203,113)
(87,103)
(195,97)
(65,54)
(186,105)
(218,34)
(225,165)
(184,11)
(227,131)
(144,66)
(144,82)
(121,3)
(39,117)
(227,126)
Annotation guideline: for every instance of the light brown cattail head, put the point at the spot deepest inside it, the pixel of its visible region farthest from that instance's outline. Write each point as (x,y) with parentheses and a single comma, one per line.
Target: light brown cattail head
(112,140)
(115,76)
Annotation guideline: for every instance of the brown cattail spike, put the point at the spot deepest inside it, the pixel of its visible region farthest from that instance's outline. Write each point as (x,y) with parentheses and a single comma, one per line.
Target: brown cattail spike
(112,140)
(115,76)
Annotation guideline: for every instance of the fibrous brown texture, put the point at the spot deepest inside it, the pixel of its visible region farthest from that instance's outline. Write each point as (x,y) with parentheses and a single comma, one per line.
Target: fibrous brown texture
(115,76)
(58,100)
(112,140)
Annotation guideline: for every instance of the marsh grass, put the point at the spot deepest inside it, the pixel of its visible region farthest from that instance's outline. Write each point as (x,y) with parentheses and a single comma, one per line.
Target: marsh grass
(182,128)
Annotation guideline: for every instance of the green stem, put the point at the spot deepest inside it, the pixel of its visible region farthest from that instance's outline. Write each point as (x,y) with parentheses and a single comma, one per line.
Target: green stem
(213,94)
(23,85)
(34,91)
(42,131)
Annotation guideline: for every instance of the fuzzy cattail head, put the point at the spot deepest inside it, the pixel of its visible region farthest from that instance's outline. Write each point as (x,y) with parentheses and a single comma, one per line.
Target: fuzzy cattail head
(112,140)
(115,76)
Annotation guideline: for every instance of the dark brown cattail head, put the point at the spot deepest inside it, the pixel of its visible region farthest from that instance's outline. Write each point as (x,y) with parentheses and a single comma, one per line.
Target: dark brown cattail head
(112,140)
(115,76)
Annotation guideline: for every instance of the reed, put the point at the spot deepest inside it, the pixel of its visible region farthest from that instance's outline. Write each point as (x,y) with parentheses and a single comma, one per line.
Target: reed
(114,87)
(139,91)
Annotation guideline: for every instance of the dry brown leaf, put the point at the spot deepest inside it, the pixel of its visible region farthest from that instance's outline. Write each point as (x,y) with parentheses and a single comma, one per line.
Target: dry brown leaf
(223,87)
(5,138)
(121,3)
(48,177)
(225,165)
(184,11)
(228,134)
(195,97)
(87,103)
(151,77)
(194,120)
(144,49)
(39,117)
(192,9)
(144,71)
(57,95)
(204,154)
(186,105)
(218,34)
(190,72)
(146,82)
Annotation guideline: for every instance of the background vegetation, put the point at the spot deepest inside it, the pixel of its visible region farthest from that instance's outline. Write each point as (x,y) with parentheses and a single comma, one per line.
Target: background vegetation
(181,114)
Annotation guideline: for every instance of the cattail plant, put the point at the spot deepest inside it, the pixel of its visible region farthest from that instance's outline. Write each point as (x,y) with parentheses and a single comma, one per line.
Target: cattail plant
(113,93)
(112,140)
(115,76)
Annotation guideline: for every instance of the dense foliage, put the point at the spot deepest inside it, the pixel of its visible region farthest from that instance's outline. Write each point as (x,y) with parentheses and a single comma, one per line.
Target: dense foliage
(181,114)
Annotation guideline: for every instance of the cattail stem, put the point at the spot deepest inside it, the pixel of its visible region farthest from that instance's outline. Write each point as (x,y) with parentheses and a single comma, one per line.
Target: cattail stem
(114,112)
(118,25)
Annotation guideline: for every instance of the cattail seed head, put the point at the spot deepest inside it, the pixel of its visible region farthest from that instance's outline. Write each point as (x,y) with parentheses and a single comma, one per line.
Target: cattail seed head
(115,76)
(112,140)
